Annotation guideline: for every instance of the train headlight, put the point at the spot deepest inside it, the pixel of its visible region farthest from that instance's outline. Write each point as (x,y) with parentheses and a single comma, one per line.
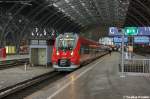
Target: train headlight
(57,53)
(72,53)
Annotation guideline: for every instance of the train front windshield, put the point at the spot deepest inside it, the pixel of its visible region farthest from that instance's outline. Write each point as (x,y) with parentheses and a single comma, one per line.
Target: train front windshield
(65,43)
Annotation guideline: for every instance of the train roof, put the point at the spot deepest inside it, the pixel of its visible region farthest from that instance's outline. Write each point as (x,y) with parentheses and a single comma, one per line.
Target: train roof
(86,41)
(83,40)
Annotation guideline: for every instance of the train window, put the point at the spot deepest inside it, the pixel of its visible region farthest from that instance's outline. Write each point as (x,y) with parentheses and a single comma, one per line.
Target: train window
(91,50)
(85,49)
(81,50)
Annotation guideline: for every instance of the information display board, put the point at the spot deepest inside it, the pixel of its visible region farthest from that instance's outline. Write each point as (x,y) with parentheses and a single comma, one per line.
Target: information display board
(113,31)
(144,31)
(118,39)
(141,39)
(130,31)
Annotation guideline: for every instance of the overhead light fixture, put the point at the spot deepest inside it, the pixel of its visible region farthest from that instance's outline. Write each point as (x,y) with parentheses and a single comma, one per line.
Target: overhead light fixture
(62,10)
(55,5)
(45,33)
(67,1)
(20,20)
(67,14)
(32,34)
(17,1)
(36,29)
(83,4)
(26,3)
(72,6)
(59,8)
(50,5)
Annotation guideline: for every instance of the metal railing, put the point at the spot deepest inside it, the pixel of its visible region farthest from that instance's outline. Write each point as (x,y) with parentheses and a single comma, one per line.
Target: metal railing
(136,65)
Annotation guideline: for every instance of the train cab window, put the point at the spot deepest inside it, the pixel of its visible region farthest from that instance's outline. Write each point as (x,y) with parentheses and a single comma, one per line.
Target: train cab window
(65,43)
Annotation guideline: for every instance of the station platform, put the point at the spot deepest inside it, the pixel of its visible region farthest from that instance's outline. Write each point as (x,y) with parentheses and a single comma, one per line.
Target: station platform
(12,76)
(14,57)
(138,56)
(98,80)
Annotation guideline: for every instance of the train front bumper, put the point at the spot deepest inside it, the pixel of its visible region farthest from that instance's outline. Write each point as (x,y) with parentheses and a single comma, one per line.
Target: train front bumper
(68,68)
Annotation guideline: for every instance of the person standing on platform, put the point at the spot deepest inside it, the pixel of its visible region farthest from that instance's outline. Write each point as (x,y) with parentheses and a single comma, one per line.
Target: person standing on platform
(110,52)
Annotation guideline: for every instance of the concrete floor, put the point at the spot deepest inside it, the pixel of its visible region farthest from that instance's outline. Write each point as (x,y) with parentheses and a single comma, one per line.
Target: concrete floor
(12,76)
(98,80)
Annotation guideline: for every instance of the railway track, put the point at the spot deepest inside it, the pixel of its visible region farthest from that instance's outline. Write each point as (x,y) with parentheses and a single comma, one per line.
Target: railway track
(4,93)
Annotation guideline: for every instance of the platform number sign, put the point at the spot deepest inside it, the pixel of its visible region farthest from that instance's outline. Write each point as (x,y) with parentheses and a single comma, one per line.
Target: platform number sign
(131,31)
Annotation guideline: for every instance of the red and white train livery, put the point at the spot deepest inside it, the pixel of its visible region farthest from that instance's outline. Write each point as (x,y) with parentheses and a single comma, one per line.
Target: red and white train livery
(70,51)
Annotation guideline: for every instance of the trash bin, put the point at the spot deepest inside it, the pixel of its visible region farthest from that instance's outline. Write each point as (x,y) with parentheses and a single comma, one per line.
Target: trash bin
(0,52)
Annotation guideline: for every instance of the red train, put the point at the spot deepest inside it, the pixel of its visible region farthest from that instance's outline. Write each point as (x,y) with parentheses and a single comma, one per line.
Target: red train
(70,51)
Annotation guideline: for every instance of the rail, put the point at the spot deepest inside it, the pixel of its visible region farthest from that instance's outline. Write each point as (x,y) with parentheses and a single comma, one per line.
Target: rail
(19,86)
